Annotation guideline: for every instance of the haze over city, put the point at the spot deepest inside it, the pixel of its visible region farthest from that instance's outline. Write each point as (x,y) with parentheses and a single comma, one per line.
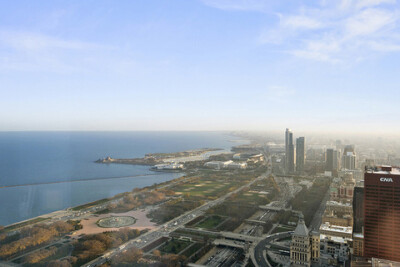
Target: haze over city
(214,133)
(326,66)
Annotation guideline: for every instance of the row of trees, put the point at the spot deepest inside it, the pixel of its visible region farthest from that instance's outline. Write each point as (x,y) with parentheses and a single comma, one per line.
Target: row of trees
(92,246)
(134,257)
(308,200)
(40,255)
(58,263)
(35,236)
(131,256)
(135,200)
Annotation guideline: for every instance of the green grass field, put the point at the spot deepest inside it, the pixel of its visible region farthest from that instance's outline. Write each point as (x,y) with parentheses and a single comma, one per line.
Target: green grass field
(174,246)
(254,198)
(210,222)
(204,188)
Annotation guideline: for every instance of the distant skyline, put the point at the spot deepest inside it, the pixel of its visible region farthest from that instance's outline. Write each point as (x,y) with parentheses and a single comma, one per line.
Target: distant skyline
(327,66)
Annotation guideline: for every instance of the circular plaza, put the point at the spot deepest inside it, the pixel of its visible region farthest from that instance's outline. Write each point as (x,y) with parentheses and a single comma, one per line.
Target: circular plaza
(116,221)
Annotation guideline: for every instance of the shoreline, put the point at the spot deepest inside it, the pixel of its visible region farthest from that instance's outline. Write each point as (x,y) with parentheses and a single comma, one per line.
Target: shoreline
(84,180)
(60,212)
(205,152)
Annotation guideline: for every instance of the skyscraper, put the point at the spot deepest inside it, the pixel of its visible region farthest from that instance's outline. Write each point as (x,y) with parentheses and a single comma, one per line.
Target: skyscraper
(289,151)
(382,213)
(349,158)
(332,160)
(358,209)
(300,154)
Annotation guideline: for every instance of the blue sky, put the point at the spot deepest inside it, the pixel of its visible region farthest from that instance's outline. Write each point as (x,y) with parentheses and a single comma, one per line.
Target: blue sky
(332,65)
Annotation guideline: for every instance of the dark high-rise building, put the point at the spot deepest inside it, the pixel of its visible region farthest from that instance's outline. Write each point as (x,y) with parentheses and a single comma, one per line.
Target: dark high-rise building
(300,154)
(382,213)
(358,209)
(332,160)
(289,151)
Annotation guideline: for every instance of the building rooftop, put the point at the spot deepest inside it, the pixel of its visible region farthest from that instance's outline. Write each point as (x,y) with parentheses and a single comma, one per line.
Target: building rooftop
(358,235)
(301,229)
(336,203)
(336,239)
(384,263)
(336,228)
(384,169)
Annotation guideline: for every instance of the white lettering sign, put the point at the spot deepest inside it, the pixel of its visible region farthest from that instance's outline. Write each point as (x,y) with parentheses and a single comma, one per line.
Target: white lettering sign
(387,180)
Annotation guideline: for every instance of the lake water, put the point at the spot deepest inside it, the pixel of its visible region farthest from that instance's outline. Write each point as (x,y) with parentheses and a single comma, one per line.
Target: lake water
(41,157)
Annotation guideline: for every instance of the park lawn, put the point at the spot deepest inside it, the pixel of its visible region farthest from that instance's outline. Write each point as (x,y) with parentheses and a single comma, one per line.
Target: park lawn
(174,246)
(203,188)
(254,198)
(210,222)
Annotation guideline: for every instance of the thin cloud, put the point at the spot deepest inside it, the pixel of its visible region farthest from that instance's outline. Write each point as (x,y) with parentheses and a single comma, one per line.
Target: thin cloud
(369,3)
(300,22)
(344,32)
(240,5)
(35,41)
(29,51)
(370,21)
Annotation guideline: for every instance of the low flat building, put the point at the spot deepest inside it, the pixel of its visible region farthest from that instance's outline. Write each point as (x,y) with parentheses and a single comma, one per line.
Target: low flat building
(256,158)
(338,207)
(384,263)
(336,247)
(225,165)
(214,165)
(336,231)
(168,166)
(332,219)
(236,165)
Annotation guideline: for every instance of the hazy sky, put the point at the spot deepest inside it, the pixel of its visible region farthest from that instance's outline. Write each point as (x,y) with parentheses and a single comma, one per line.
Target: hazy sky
(200,65)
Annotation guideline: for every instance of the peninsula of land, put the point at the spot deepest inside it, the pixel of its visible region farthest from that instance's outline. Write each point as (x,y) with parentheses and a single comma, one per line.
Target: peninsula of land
(152,159)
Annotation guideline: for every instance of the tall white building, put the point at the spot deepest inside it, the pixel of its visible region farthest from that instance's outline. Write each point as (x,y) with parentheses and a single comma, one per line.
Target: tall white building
(349,158)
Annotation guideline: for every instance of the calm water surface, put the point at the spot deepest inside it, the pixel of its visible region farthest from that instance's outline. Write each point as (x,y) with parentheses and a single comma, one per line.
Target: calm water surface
(40,157)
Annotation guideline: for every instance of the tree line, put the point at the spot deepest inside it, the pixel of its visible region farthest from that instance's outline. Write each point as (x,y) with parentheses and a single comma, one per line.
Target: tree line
(30,237)
(92,246)
(135,200)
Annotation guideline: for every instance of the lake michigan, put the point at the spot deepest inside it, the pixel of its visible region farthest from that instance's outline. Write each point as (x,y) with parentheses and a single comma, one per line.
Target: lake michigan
(45,157)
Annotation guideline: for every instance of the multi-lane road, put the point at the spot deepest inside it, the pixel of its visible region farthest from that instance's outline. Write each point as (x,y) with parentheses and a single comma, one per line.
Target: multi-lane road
(167,228)
(260,248)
